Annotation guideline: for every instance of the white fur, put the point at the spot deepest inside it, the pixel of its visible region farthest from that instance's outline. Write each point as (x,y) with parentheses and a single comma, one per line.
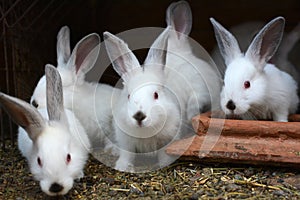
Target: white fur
(195,80)
(52,146)
(187,85)
(50,135)
(244,33)
(90,102)
(272,93)
(162,121)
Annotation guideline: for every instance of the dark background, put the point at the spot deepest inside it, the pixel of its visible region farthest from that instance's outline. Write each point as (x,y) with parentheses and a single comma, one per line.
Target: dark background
(29,29)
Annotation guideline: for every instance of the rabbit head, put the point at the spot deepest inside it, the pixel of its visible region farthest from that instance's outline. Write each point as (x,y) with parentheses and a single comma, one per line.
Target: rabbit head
(245,81)
(55,150)
(72,67)
(146,99)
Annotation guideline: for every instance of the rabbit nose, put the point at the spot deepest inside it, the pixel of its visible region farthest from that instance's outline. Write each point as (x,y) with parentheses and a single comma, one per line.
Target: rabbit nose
(55,188)
(230,105)
(139,116)
(34,103)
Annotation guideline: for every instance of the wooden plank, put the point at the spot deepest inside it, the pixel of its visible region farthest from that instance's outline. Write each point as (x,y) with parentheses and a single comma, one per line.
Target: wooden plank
(203,122)
(241,141)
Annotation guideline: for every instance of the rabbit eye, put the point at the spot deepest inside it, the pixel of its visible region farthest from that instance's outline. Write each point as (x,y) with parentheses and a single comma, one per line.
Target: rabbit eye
(128,96)
(155,95)
(39,161)
(247,84)
(35,104)
(68,158)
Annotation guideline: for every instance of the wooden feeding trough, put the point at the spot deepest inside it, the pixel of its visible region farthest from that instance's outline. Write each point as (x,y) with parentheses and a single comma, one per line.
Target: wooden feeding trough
(242,141)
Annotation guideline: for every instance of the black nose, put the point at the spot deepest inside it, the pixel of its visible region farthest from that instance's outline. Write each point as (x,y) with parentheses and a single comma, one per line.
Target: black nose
(139,116)
(230,105)
(34,103)
(55,188)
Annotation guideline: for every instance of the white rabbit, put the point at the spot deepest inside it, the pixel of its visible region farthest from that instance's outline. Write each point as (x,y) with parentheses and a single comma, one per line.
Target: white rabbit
(90,102)
(200,89)
(244,34)
(53,141)
(252,87)
(146,115)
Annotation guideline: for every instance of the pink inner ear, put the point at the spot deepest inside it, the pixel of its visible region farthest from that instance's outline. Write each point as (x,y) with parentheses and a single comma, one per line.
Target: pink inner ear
(79,61)
(182,19)
(17,114)
(266,46)
(120,62)
(180,26)
(270,40)
(83,51)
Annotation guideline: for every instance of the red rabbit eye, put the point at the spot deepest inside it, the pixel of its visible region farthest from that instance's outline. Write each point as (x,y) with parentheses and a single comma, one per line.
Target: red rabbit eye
(155,95)
(68,158)
(247,84)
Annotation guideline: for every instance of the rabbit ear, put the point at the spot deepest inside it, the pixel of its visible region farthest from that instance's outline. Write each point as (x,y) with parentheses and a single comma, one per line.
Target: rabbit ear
(266,42)
(85,54)
(24,115)
(63,46)
(158,51)
(179,16)
(122,58)
(227,43)
(55,105)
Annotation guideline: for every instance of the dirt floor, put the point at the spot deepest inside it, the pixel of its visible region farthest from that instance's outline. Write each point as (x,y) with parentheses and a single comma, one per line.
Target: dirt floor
(181,180)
